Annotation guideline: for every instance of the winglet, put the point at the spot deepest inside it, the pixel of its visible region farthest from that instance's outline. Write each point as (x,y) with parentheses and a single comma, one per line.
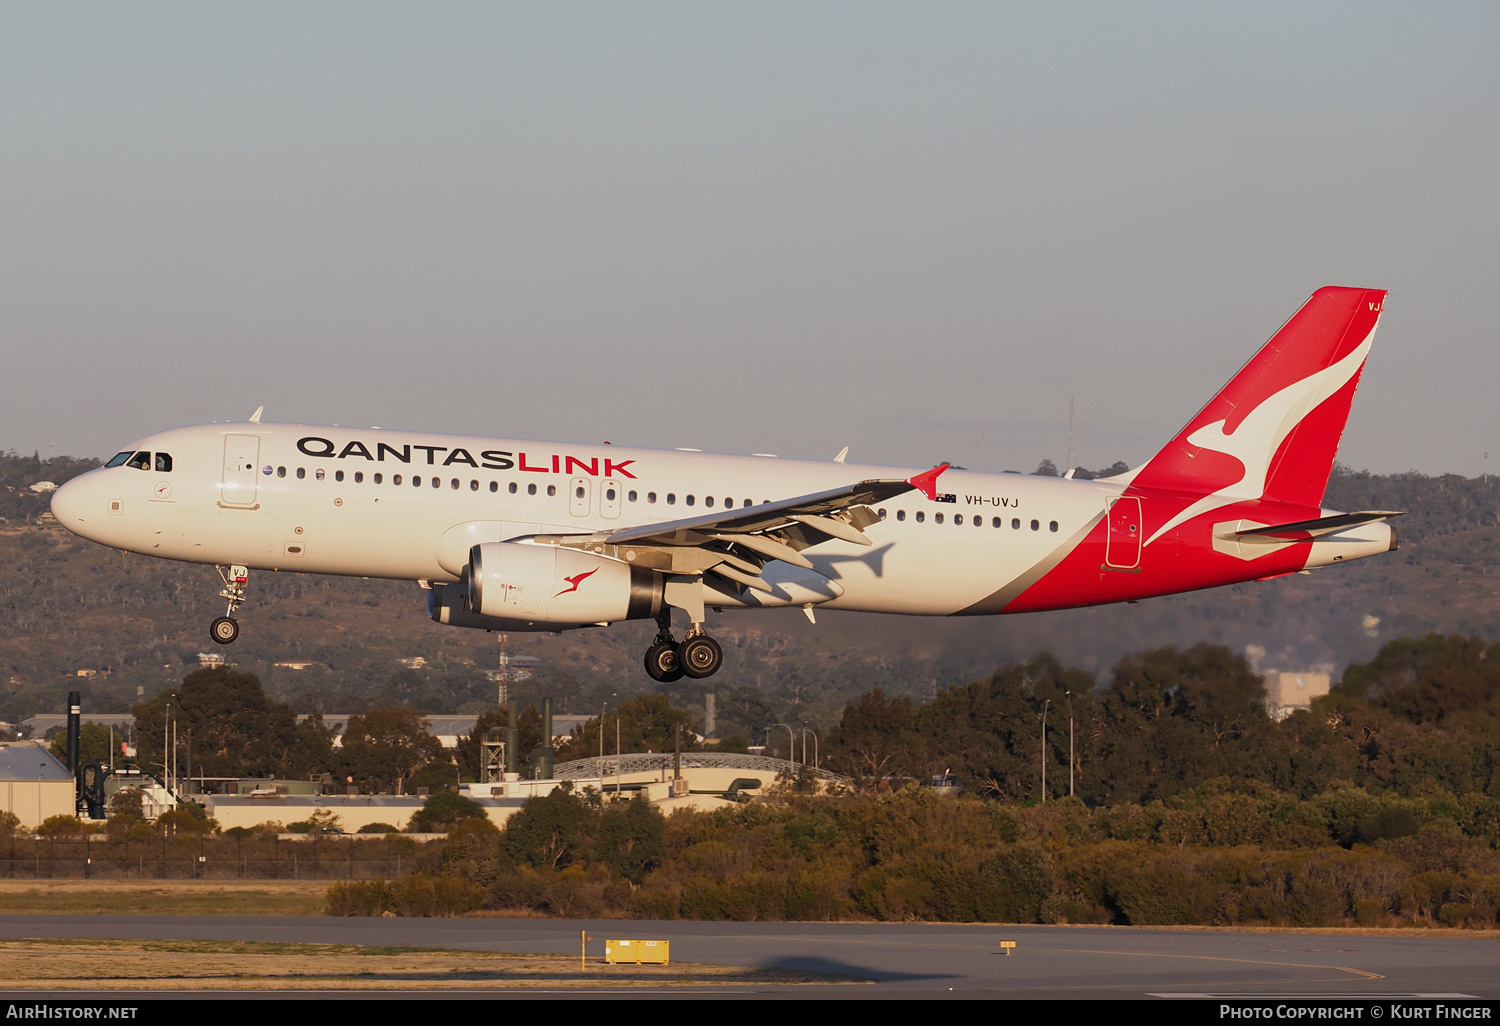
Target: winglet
(255,417)
(926,481)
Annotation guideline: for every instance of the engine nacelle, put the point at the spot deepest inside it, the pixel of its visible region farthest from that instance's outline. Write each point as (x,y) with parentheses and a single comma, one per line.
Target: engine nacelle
(449,604)
(547,584)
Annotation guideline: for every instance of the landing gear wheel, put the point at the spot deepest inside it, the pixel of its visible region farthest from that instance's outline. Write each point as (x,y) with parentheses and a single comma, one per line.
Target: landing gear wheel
(224,630)
(700,656)
(661,662)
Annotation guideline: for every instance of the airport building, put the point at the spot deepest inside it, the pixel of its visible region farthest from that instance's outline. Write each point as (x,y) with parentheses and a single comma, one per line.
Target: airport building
(1288,692)
(700,780)
(34,785)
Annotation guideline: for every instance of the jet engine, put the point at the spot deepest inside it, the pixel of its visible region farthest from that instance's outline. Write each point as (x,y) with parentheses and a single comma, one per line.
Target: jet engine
(547,584)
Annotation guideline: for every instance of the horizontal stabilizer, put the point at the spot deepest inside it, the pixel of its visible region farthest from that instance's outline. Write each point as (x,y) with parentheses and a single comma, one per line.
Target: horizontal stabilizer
(1322,525)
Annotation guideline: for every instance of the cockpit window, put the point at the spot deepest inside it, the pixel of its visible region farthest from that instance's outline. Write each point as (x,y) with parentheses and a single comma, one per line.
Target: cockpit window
(140,461)
(164,463)
(120,457)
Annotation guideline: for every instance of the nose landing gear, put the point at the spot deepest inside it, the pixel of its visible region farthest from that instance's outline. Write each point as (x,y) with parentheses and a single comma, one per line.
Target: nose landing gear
(225,629)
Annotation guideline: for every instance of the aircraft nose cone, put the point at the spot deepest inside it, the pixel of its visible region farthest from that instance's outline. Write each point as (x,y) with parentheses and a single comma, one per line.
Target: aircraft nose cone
(71,507)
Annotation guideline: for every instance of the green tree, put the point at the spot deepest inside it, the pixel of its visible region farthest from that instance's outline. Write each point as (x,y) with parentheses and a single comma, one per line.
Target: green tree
(236,730)
(632,838)
(989,733)
(644,723)
(877,739)
(383,748)
(442,811)
(93,743)
(552,831)
(1431,680)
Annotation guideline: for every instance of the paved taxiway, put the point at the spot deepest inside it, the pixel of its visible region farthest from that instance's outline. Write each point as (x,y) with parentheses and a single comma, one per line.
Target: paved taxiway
(915,960)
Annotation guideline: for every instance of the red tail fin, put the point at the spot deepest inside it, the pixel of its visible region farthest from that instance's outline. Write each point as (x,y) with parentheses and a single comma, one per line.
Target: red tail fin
(1273,431)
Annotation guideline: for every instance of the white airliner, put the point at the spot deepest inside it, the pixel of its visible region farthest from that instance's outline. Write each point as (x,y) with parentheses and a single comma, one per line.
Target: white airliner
(514,535)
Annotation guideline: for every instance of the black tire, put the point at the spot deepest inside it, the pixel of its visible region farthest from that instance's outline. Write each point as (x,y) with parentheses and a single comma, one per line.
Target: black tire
(700,657)
(661,663)
(224,630)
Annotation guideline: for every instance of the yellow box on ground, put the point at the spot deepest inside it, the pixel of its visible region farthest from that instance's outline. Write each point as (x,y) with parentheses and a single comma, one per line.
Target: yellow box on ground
(636,951)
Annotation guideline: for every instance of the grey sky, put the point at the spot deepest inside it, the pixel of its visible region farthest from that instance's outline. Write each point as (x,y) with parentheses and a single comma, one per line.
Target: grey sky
(769,227)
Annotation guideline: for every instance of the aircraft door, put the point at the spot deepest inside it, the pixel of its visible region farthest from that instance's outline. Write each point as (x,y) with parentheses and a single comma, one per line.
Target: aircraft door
(238,485)
(1122,546)
(580,496)
(609,499)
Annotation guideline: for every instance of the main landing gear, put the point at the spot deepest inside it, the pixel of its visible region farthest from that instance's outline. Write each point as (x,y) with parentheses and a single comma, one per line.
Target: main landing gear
(225,629)
(697,656)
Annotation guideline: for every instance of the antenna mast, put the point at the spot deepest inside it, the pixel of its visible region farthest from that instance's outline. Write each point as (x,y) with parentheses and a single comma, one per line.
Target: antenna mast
(1072,442)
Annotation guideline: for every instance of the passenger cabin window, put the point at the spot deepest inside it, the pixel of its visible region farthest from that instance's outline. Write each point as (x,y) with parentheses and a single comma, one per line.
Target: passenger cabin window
(140,461)
(937,518)
(164,464)
(338,475)
(1052,527)
(120,458)
(494,486)
(708,500)
(921,516)
(690,500)
(552,489)
(1015,525)
(302,472)
(650,496)
(379,478)
(998,522)
(1035,525)
(318,473)
(531,489)
(900,514)
(395,479)
(281,472)
(671,498)
(512,488)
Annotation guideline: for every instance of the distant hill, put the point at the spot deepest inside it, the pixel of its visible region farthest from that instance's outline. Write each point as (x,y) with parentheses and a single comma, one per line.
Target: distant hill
(67,604)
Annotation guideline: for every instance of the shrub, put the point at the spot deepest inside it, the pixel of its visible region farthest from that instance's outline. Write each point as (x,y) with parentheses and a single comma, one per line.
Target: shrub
(359,898)
(423,895)
(56,827)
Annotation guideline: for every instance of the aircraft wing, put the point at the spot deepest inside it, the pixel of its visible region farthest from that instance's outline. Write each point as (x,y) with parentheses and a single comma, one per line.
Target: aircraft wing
(735,544)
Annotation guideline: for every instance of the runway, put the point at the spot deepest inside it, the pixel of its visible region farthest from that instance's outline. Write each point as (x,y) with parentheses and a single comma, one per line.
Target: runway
(911,960)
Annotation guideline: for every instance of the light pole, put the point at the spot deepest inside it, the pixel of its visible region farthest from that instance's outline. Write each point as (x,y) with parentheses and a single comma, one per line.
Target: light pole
(1045,706)
(805,732)
(791,740)
(1070,743)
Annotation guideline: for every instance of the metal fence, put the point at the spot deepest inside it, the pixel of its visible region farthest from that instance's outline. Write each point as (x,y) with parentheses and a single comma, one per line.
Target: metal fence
(207,858)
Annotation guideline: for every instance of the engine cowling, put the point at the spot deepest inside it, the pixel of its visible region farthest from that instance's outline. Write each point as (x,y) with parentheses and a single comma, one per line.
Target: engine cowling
(547,584)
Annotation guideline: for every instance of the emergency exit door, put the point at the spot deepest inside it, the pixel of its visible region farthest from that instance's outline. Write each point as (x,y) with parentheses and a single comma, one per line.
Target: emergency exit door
(1122,546)
(238,485)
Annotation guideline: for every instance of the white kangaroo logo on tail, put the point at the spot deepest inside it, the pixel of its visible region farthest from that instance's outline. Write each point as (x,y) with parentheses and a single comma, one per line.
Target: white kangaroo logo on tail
(1263,430)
